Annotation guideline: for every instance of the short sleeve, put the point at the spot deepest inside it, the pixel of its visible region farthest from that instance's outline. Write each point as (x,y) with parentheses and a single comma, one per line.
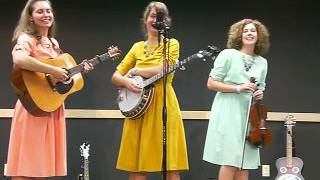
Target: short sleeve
(24,44)
(221,66)
(129,60)
(262,83)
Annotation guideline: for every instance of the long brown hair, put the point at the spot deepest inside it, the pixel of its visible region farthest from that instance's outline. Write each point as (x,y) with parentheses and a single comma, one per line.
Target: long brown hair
(235,36)
(160,7)
(25,25)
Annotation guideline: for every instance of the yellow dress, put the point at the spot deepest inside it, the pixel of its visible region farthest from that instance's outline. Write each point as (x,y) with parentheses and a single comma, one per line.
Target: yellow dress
(141,144)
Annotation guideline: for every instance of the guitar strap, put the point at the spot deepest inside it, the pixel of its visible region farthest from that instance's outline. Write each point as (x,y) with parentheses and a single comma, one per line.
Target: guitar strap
(55,46)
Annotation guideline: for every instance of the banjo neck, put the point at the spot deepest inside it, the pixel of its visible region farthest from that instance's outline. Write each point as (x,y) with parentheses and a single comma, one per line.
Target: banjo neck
(170,69)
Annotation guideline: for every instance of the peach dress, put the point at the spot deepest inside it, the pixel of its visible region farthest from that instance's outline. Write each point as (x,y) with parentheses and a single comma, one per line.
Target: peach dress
(37,146)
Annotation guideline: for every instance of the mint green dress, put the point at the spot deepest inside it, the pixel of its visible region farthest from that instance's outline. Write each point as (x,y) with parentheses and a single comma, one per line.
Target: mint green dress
(229,112)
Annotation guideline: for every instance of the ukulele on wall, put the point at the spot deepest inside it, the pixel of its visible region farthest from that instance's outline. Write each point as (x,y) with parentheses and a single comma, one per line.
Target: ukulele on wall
(84,151)
(289,167)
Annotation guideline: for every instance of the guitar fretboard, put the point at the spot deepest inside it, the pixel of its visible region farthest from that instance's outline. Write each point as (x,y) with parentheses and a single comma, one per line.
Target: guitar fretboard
(94,61)
(289,146)
(86,169)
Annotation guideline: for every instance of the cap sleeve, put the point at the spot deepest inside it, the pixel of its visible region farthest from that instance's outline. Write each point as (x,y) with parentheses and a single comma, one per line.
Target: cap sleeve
(221,66)
(129,60)
(24,44)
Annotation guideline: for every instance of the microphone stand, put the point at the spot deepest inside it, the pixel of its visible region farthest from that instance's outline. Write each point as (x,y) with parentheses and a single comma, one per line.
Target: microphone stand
(165,34)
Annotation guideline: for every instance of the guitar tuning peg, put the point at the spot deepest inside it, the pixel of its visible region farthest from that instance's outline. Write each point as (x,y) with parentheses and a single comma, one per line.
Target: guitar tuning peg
(182,68)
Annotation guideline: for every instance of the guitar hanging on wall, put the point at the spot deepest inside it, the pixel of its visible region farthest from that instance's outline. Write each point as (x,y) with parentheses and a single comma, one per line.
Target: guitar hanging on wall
(84,151)
(289,168)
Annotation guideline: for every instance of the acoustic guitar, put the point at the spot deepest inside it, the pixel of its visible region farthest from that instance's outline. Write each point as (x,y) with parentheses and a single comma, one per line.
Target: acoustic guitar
(84,152)
(40,94)
(289,168)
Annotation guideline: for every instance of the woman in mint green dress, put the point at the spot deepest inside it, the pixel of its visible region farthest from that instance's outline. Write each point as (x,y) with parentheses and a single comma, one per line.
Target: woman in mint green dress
(247,41)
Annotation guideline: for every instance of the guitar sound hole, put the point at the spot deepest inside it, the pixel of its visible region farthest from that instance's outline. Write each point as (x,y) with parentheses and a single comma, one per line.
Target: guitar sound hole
(64,87)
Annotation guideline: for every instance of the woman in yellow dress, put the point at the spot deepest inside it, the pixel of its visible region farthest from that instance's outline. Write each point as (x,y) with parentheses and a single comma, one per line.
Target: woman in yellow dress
(141,145)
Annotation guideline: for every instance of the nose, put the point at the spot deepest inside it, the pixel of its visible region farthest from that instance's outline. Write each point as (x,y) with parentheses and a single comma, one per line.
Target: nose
(46,14)
(249,33)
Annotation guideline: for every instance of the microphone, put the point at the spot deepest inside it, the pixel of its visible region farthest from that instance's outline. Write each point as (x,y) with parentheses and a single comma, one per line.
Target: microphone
(159,24)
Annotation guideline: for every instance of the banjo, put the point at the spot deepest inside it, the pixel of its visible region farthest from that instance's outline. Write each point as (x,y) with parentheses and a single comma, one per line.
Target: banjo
(133,105)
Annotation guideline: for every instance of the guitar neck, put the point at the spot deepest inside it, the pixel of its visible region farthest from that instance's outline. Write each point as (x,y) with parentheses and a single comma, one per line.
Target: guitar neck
(289,146)
(170,69)
(86,170)
(94,61)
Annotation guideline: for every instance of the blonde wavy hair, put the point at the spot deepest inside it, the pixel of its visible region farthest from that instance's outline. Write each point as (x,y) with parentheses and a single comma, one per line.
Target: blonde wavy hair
(235,36)
(25,25)
(160,7)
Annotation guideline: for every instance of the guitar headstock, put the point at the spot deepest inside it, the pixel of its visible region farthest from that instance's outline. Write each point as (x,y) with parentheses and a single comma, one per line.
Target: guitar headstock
(84,150)
(290,121)
(210,51)
(114,52)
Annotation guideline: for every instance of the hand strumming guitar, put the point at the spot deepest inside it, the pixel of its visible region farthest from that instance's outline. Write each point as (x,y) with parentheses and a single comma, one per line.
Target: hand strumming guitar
(59,74)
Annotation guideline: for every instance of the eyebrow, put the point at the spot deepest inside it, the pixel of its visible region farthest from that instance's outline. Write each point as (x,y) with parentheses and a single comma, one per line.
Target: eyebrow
(49,8)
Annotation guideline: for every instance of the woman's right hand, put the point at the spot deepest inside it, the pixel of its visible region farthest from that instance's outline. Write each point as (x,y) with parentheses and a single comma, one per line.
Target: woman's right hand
(249,87)
(59,74)
(131,85)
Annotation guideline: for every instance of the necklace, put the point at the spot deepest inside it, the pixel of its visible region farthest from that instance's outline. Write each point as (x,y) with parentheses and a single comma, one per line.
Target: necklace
(247,62)
(146,50)
(45,42)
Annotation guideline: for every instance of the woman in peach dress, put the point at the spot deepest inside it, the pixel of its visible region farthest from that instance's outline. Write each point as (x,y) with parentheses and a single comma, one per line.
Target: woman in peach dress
(37,146)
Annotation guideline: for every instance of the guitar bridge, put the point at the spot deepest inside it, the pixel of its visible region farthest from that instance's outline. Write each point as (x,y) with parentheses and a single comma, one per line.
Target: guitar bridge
(48,77)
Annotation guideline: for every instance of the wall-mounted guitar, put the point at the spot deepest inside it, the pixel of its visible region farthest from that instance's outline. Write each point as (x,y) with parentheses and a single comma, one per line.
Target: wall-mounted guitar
(84,152)
(133,105)
(289,168)
(40,95)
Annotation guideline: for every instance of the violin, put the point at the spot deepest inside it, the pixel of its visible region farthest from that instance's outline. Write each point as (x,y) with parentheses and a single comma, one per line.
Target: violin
(260,134)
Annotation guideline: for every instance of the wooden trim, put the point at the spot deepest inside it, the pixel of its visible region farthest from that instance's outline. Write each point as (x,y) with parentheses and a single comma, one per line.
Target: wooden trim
(187,115)
(6,113)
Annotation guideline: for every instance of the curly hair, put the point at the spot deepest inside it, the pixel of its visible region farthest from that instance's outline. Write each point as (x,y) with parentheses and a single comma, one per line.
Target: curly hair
(235,36)
(160,7)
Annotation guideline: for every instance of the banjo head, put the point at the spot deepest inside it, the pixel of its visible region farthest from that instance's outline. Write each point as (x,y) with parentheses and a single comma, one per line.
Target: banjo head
(128,100)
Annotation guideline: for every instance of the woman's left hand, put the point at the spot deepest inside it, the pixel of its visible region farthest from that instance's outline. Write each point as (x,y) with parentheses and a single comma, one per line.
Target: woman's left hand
(87,66)
(258,95)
